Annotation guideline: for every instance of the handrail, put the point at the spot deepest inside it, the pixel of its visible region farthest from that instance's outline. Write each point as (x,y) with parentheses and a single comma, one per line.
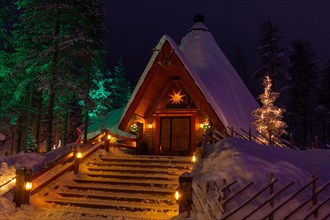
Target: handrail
(290,197)
(320,189)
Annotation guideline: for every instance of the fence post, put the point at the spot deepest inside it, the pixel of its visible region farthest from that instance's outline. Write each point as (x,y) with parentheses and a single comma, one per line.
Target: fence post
(185,192)
(23,186)
(232,131)
(77,156)
(107,143)
(271,191)
(314,194)
(224,193)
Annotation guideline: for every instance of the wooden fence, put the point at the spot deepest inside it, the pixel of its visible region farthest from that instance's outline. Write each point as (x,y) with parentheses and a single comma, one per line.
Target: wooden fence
(222,200)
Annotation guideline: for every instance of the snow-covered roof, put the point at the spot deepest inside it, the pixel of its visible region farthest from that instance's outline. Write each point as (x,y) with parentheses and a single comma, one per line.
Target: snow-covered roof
(222,86)
(110,123)
(213,74)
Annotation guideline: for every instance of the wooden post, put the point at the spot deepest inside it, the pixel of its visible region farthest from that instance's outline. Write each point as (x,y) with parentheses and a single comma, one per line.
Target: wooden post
(271,192)
(76,161)
(314,194)
(21,194)
(185,191)
(232,131)
(107,145)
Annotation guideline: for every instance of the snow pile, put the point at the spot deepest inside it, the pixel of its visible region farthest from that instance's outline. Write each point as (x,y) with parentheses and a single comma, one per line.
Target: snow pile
(235,158)
(245,161)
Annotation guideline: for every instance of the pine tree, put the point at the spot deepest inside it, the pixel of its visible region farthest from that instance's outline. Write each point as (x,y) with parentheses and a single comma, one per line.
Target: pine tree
(324,103)
(59,41)
(273,59)
(31,145)
(269,118)
(9,105)
(121,90)
(301,105)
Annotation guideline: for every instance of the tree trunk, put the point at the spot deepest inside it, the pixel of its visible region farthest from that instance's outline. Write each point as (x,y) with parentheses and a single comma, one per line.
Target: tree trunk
(19,132)
(86,126)
(39,120)
(28,115)
(65,124)
(52,87)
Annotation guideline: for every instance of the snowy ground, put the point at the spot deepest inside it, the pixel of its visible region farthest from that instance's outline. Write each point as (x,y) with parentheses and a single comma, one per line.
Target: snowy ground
(231,159)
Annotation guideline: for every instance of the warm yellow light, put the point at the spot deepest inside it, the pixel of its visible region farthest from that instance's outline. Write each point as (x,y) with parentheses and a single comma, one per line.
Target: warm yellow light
(109,136)
(194,158)
(201,125)
(28,185)
(79,155)
(149,125)
(176,98)
(177,195)
(14,180)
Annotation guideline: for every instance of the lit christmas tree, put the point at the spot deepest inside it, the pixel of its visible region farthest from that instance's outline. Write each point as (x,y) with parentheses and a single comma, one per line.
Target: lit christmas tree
(268,116)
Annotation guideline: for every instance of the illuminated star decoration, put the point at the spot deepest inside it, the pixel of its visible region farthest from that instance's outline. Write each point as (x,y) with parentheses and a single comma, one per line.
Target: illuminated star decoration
(176,98)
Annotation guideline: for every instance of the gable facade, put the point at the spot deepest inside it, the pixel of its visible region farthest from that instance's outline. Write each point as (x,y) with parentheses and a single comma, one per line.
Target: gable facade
(169,108)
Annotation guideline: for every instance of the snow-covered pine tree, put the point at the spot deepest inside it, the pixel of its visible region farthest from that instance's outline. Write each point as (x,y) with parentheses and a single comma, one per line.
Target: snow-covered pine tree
(272,56)
(100,96)
(269,118)
(60,41)
(121,90)
(302,100)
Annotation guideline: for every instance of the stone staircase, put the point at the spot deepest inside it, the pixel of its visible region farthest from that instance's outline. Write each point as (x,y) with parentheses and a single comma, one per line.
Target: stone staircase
(130,187)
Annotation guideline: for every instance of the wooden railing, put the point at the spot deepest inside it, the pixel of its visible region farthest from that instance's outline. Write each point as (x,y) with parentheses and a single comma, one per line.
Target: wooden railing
(214,200)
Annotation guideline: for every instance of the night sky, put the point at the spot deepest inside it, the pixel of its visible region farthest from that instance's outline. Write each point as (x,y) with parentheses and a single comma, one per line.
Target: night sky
(136,26)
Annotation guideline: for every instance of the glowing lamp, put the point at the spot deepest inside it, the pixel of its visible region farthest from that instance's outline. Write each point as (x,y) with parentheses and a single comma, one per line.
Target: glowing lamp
(194,158)
(149,125)
(177,195)
(109,136)
(28,185)
(79,155)
(201,125)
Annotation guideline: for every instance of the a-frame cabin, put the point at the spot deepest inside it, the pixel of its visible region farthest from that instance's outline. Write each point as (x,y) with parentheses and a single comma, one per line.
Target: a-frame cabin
(185,91)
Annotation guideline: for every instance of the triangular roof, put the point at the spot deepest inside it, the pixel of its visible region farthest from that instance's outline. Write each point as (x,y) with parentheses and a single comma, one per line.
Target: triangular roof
(225,95)
(223,87)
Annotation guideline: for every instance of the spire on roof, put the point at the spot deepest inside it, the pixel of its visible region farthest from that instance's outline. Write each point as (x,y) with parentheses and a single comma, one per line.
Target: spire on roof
(199,18)
(198,24)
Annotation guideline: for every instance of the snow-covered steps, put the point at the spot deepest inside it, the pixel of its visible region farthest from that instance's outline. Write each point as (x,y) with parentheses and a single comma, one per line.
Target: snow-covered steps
(131,186)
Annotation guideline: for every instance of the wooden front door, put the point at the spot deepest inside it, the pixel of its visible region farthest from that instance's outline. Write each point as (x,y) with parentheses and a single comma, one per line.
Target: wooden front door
(175,135)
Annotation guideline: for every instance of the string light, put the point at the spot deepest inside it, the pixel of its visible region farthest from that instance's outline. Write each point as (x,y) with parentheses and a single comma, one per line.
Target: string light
(268,116)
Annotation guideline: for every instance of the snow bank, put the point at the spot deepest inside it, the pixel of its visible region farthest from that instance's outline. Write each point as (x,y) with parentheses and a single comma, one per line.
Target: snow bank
(245,161)
(237,158)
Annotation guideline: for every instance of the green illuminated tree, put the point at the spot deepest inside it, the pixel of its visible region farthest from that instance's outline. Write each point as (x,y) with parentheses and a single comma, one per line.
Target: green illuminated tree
(61,41)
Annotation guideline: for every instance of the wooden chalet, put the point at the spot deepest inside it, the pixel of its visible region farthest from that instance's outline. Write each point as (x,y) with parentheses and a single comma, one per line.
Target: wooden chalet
(170,108)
